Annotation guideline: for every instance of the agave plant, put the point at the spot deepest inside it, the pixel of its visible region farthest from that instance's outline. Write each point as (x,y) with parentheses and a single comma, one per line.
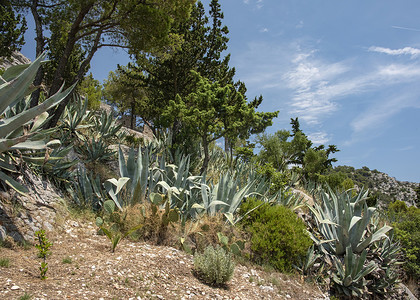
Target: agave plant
(137,178)
(225,196)
(53,164)
(182,188)
(75,118)
(350,276)
(87,191)
(21,128)
(106,126)
(344,220)
(306,264)
(96,150)
(387,256)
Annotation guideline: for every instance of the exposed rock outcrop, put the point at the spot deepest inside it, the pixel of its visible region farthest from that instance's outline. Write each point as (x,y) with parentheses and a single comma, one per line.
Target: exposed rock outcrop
(22,215)
(17,58)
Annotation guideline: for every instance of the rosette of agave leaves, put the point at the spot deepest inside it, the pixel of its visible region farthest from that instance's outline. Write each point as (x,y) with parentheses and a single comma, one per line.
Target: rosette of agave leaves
(353,243)
(21,125)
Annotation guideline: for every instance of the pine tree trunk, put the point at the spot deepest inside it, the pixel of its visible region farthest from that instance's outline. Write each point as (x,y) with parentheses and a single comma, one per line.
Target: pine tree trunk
(206,156)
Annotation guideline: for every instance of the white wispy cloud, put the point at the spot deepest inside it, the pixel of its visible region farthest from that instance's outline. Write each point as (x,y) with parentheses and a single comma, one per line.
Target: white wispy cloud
(413,52)
(318,85)
(302,83)
(399,72)
(258,3)
(406,148)
(264,29)
(319,137)
(406,28)
(311,81)
(376,115)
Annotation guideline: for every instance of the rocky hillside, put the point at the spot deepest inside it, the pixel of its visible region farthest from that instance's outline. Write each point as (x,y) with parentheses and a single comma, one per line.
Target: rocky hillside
(17,58)
(384,188)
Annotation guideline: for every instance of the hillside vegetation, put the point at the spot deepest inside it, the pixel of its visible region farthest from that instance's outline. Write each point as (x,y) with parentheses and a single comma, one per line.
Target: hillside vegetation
(384,188)
(127,207)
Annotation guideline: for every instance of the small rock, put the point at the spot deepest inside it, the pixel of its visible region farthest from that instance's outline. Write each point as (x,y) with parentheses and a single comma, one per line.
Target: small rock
(15,287)
(267,288)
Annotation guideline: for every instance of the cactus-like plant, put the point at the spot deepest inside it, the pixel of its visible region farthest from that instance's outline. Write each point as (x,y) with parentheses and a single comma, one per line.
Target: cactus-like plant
(225,196)
(345,220)
(306,264)
(234,247)
(350,276)
(22,129)
(136,177)
(96,150)
(164,216)
(112,231)
(87,191)
(75,118)
(106,126)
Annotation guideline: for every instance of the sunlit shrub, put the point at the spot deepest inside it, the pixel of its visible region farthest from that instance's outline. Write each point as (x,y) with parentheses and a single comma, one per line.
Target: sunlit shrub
(278,237)
(405,221)
(214,266)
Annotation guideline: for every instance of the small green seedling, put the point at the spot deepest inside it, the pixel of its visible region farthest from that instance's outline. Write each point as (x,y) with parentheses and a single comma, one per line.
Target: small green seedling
(43,247)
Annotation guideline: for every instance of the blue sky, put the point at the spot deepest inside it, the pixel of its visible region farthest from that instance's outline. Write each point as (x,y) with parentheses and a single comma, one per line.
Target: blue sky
(350,70)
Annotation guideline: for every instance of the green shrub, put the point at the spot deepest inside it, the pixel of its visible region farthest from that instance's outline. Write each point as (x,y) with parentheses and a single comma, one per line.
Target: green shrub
(405,221)
(279,180)
(214,266)
(278,237)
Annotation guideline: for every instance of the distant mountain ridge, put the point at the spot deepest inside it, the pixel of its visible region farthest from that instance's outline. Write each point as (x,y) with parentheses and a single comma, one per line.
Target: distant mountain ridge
(384,188)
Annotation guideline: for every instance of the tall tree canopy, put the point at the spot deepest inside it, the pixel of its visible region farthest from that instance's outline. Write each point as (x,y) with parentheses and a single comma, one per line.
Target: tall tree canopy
(12,28)
(126,93)
(284,149)
(138,25)
(170,82)
(209,112)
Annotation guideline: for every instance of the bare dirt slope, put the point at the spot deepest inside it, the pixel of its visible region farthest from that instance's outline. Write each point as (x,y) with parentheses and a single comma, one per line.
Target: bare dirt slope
(81,266)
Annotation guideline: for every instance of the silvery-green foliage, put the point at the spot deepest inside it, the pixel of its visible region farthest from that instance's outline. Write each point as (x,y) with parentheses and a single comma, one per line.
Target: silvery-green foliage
(225,196)
(137,179)
(387,255)
(87,191)
(75,118)
(53,164)
(106,127)
(350,276)
(306,264)
(214,266)
(20,125)
(95,150)
(345,220)
(180,186)
(288,199)
(349,233)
